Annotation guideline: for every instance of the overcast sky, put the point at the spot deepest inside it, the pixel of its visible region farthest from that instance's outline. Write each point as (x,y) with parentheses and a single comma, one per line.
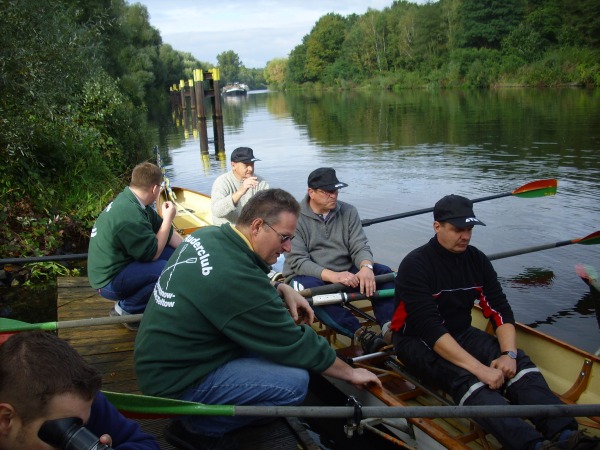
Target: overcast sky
(258,30)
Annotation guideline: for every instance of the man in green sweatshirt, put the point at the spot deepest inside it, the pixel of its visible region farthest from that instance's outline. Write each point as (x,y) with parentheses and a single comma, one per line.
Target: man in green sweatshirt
(130,243)
(216,330)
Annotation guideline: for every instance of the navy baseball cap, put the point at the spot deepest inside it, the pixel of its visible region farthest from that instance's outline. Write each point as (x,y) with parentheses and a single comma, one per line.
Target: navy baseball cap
(324,178)
(457,210)
(243,154)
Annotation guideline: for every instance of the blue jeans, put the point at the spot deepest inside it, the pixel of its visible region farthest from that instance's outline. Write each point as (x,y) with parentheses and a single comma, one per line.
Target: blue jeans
(341,319)
(132,286)
(248,380)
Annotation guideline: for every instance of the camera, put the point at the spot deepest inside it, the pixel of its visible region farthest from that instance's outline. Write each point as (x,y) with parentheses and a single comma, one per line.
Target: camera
(70,434)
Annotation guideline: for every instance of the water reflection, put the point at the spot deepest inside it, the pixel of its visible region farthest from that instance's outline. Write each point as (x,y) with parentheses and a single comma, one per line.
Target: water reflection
(532,276)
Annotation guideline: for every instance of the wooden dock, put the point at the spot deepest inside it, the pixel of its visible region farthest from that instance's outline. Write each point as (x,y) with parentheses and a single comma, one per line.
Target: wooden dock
(109,348)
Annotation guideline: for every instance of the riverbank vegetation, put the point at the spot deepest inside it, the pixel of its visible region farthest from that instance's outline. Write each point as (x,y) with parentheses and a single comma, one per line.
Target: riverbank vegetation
(78,82)
(448,44)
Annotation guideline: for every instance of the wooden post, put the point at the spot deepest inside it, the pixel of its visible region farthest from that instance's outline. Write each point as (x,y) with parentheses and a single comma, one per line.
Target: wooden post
(201,110)
(198,93)
(182,91)
(219,135)
(192,94)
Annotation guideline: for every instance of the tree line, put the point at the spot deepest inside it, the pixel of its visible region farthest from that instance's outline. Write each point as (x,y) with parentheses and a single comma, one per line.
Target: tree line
(449,43)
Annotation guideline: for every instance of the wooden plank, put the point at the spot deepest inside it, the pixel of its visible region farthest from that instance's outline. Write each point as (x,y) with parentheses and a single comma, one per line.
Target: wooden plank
(109,348)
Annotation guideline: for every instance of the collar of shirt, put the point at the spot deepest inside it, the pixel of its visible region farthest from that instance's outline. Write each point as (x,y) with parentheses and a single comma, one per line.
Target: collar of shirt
(240,234)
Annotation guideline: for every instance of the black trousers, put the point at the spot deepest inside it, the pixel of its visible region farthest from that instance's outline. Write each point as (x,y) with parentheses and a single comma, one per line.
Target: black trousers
(528,387)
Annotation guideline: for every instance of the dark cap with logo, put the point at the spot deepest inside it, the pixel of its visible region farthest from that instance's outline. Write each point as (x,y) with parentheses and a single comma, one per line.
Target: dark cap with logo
(324,178)
(243,154)
(457,210)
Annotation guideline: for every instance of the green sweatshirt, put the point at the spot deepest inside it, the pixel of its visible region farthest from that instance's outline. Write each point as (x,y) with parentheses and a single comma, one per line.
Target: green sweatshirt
(212,303)
(123,233)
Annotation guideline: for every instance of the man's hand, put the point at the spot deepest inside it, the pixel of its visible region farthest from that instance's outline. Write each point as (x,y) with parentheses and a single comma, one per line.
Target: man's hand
(249,183)
(345,278)
(361,378)
(168,211)
(507,365)
(106,440)
(298,306)
(366,278)
(491,376)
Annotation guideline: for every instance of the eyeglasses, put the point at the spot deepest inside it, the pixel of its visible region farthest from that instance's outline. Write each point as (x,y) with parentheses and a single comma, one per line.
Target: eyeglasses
(283,237)
(328,193)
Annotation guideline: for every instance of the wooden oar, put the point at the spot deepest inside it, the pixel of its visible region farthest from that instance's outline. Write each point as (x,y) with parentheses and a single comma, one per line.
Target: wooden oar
(590,239)
(145,406)
(337,287)
(538,188)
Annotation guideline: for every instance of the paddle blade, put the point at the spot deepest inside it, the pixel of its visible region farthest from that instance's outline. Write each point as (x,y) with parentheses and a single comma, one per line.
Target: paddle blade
(590,239)
(586,272)
(538,188)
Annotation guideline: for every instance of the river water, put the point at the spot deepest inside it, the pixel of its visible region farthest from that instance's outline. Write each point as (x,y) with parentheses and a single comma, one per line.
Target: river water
(403,151)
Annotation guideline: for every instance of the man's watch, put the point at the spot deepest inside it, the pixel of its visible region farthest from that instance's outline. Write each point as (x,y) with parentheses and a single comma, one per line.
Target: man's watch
(510,354)
(368,266)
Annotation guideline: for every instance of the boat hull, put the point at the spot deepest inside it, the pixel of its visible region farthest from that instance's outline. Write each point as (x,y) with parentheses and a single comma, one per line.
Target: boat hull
(193,209)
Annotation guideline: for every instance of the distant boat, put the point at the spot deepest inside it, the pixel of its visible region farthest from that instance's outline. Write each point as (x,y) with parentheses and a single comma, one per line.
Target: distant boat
(235,89)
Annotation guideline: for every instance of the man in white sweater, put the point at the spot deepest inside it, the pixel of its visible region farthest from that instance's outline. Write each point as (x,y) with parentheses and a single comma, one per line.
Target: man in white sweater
(232,190)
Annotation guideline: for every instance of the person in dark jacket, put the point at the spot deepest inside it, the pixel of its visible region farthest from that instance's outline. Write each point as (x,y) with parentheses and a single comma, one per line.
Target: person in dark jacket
(436,287)
(42,378)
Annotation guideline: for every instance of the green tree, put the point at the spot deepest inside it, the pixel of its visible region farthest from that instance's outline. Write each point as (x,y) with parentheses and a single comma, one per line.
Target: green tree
(296,68)
(229,65)
(324,44)
(486,22)
(275,72)
(402,19)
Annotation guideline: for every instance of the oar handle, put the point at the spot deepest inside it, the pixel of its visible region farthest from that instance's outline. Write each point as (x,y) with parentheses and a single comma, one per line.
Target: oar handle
(337,287)
(342,297)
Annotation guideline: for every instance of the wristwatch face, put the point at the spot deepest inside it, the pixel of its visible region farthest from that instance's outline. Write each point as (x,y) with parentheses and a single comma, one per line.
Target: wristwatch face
(510,354)
(369,266)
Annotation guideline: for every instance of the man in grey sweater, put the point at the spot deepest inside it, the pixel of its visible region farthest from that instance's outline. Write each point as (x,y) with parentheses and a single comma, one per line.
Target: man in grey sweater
(332,247)
(232,190)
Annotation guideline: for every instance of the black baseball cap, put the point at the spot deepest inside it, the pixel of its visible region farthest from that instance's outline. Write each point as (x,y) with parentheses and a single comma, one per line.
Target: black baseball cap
(457,210)
(243,154)
(324,178)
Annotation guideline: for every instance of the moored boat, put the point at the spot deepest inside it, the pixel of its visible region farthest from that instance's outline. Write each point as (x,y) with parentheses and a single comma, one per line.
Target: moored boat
(193,209)
(234,89)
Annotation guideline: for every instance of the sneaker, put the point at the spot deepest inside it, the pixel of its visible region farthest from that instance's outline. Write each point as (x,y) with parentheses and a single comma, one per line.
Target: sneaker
(179,436)
(370,341)
(572,439)
(133,326)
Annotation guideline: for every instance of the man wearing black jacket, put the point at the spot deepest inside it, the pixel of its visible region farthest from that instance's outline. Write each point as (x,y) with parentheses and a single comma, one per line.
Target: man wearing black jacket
(436,287)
